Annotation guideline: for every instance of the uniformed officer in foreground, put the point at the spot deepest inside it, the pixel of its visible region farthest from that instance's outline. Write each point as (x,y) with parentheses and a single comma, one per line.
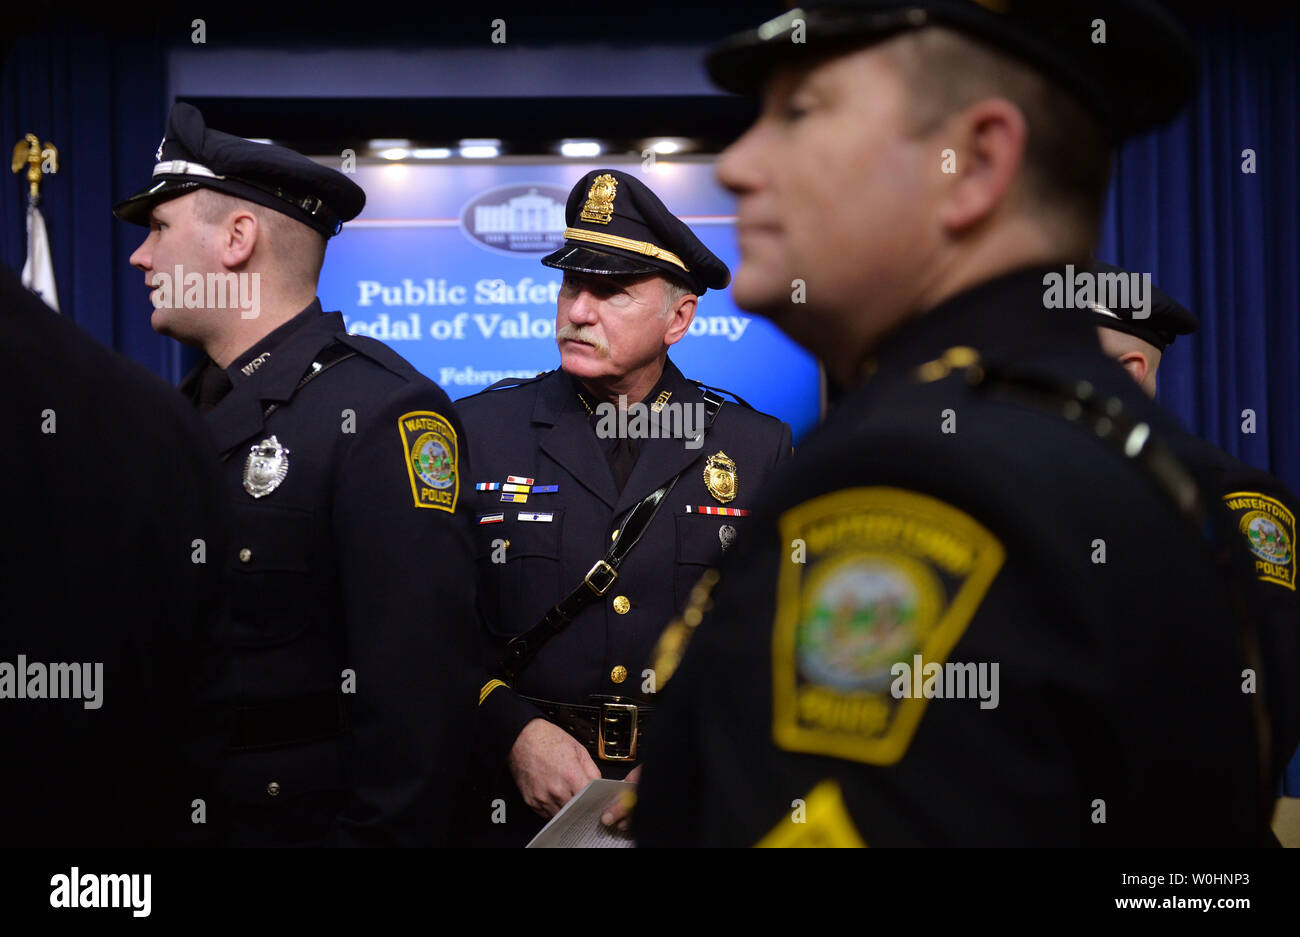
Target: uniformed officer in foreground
(352,580)
(111,633)
(599,529)
(1261,507)
(978,607)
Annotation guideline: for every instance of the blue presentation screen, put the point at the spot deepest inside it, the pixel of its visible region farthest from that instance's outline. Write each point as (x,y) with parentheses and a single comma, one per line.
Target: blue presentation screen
(443,266)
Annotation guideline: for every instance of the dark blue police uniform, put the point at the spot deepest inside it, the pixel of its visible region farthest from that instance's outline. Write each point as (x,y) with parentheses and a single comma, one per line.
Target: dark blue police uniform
(1262,513)
(351,583)
(986,603)
(352,592)
(1118,674)
(538,440)
(112,561)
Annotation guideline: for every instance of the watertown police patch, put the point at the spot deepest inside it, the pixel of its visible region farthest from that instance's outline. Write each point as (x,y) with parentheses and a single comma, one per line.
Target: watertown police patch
(432,457)
(888,574)
(1269,529)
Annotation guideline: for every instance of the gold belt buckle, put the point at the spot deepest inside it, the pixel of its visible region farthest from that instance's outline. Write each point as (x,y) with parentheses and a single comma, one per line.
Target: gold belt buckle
(620,719)
(607,570)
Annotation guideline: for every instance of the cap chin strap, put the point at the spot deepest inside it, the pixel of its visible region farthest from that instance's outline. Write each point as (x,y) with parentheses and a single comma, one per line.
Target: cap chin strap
(181,167)
(613,240)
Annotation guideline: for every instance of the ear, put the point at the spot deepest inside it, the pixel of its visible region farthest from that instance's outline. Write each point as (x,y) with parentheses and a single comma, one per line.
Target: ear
(989,140)
(680,318)
(239,237)
(1135,363)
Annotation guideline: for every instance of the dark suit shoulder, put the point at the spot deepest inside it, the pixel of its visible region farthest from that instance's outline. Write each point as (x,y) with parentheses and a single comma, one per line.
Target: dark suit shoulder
(736,411)
(402,372)
(509,383)
(512,395)
(1230,473)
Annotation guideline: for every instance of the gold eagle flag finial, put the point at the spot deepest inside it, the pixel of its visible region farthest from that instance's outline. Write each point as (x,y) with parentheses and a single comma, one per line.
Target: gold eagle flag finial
(39,161)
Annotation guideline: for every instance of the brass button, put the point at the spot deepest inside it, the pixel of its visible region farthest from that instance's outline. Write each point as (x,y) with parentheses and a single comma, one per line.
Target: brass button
(245,555)
(618,674)
(621,604)
(273,788)
(506,545)
(614,535)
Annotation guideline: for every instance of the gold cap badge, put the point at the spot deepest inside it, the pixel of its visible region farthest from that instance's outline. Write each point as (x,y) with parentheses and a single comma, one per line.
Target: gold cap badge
(600,199)
(720,477)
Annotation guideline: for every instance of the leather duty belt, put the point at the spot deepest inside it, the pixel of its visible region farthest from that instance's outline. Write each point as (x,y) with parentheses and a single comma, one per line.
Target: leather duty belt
(612,727)
(521,650)
(280,723)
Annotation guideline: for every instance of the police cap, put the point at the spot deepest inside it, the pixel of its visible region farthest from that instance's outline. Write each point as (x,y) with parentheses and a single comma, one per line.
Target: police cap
(1138,77)
(617,226)
(193,156)
(1165,321)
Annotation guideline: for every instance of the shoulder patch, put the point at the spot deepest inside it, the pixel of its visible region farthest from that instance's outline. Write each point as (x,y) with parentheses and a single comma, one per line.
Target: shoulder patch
(881,581)
(432,457)
(1268,527)
(825,823)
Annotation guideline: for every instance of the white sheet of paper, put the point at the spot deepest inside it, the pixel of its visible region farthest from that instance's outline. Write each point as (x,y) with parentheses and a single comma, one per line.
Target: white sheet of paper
(578,826)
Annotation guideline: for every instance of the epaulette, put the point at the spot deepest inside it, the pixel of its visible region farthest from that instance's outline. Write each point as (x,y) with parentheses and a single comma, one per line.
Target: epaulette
(1077,402)
(508,382)
(719,390)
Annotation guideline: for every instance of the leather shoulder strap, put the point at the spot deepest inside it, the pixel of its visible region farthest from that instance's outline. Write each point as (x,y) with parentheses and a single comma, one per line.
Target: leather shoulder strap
(521,650)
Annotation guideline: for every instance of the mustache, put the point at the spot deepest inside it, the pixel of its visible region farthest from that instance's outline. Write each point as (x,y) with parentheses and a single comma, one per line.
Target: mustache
(579,333)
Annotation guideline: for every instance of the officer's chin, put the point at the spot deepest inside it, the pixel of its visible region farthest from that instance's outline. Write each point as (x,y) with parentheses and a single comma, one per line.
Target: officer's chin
(581,360)
(164,322)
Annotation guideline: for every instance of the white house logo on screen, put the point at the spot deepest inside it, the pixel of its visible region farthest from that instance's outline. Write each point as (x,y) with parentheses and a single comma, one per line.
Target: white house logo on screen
(525,219)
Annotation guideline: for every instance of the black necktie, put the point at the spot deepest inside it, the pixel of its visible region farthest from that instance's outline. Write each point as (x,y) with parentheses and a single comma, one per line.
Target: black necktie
(622,459)
(214,384)
(622,453)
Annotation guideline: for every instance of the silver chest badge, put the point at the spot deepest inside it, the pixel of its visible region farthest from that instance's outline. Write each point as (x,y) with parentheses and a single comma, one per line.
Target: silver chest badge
(726,534)
(265,467)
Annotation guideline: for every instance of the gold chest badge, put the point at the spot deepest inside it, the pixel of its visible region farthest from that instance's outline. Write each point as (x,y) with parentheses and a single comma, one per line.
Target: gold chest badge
(600,199)
(720,477)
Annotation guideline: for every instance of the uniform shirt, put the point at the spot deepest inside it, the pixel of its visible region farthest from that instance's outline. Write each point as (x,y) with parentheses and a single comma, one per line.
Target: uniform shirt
(540,433)
(352,579)
(931,523)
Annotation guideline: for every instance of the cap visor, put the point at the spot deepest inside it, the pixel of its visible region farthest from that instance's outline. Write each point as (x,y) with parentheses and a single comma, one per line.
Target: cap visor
(135,209)
(586,260)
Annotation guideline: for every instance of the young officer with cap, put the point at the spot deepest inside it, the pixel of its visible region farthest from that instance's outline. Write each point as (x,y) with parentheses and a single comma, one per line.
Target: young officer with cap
(590,534)
(1261,507)
(351,582)
(978,606)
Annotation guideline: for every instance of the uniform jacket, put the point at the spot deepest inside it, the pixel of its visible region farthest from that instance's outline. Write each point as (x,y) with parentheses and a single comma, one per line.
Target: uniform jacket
(1262,525)
(540,430)
(111,559)
(973,525)
(345,571)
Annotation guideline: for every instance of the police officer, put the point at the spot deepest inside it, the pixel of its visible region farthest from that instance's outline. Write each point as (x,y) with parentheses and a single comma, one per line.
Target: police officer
(1261,508)
(351,579)
(602,491)
(978,607)
(111,575)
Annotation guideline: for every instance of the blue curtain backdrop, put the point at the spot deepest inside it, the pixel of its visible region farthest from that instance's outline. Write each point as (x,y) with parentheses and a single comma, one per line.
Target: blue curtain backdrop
(1224,242)
(100,99)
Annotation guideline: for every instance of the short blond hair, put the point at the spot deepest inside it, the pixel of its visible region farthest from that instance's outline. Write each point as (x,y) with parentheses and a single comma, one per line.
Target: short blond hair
(299,251)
